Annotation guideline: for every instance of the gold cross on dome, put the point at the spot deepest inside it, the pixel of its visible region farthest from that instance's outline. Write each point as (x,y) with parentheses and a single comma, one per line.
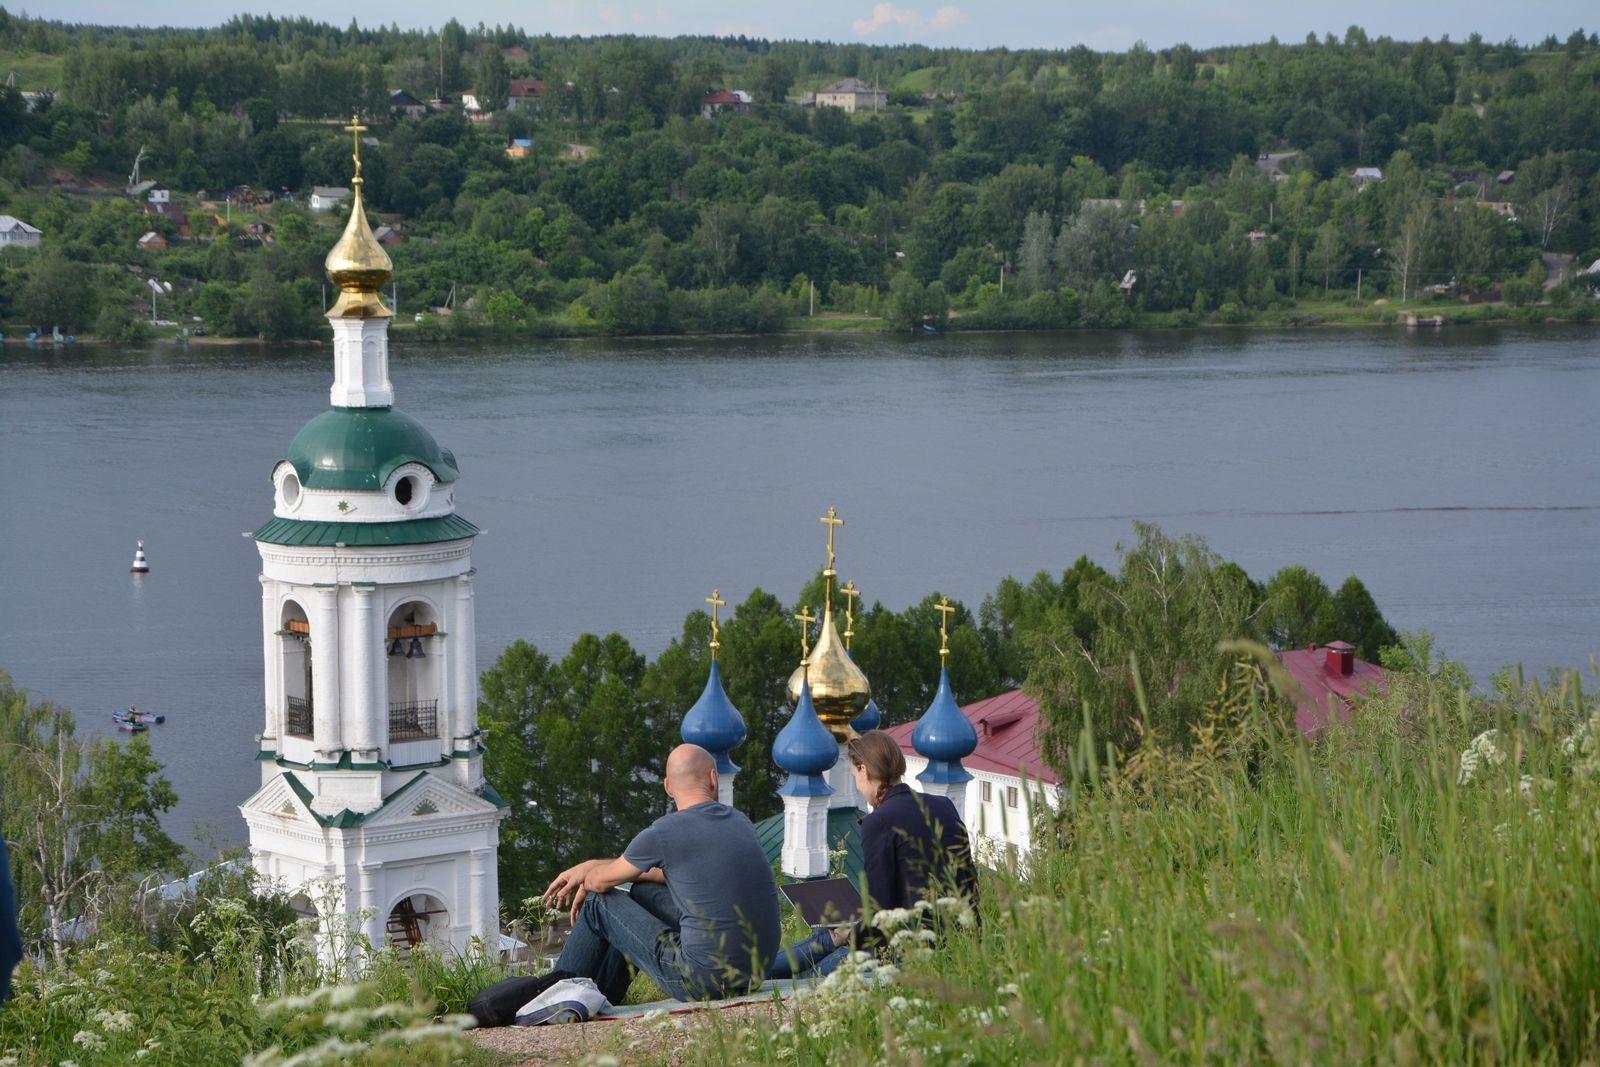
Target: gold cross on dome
(805,619)
(832,520)
(944,608)
(850,593)
(355,130)
(716,601)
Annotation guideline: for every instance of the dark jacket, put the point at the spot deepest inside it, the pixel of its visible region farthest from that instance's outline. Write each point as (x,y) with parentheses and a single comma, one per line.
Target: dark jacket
(911,842)
(10,941)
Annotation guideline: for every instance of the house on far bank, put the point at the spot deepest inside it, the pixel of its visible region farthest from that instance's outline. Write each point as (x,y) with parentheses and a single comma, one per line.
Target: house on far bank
(852,94)
(327,197)
(406,104)
(1365,176)
(519,148)
(152,241)
(525,94)
(472,109)
(14,233)
(736,101)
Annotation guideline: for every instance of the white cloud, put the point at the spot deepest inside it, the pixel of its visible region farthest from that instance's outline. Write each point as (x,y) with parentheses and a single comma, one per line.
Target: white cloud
(884,14)
(946,17)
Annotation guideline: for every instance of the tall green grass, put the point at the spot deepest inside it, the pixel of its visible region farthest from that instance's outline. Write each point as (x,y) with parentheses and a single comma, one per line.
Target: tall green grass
(1343,900)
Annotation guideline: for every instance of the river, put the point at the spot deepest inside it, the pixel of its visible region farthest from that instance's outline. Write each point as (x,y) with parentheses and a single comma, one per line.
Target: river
(1454,471)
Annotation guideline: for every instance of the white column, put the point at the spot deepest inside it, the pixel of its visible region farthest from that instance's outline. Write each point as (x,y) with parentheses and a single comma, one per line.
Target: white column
(725,788)
(956,792)
(272,665)
(364,708)
(370,878)
(482,902)
(361,364)
(805,836)
(843,783)
(463,656)
(325,673)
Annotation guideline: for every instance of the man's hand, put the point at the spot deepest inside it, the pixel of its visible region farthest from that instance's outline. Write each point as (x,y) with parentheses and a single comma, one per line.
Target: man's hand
(569,884)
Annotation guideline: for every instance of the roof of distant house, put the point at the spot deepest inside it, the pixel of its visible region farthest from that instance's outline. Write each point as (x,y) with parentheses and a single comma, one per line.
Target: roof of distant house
(850,85)
(10,224)
(401,98)
(723,96)
(525,87)
(1008,737)
(1369,173)
(330,192)
(1331,678)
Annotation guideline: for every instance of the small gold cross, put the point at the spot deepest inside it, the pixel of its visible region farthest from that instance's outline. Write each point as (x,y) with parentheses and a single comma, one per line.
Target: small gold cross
(832,520)
(355,130)
(805,619)
(944,608)
(716,601)
(850,593)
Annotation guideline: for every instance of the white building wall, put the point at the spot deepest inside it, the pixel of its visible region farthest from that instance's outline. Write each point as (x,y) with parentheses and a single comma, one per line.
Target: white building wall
(995,825)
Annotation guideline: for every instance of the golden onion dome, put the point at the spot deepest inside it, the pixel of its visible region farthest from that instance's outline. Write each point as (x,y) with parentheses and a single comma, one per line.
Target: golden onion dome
(838,687)
(357,264)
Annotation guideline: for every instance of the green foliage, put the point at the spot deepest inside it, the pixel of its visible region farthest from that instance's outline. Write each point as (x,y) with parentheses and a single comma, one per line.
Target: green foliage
(1263,906)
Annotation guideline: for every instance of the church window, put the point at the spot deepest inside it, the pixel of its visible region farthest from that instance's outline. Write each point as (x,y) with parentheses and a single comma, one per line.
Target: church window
(985,792)
(1011,796)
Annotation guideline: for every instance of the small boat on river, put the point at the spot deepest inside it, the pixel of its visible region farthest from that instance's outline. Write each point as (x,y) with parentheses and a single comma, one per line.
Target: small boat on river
(130,726)
(134,715)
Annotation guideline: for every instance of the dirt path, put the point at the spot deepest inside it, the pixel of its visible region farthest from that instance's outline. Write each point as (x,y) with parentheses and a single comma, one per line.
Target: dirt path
(637,1040)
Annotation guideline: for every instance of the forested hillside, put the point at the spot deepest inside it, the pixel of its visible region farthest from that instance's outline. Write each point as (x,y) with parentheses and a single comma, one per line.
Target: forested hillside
(1012,188)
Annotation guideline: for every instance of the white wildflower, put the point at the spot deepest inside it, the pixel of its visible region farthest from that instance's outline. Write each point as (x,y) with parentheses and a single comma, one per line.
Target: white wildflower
(898,1004)
(890,918)
(90,1040)
(1485,749)
(116,1022)
(785,1029)
(1011,989)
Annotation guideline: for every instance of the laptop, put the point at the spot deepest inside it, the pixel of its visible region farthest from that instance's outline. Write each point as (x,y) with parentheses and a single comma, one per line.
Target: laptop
(830,902)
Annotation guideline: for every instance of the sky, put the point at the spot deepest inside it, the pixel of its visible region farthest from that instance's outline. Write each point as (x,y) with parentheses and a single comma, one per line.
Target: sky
(1103,26)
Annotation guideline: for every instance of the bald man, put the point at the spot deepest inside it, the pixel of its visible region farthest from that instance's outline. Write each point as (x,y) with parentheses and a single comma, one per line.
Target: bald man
(701,917)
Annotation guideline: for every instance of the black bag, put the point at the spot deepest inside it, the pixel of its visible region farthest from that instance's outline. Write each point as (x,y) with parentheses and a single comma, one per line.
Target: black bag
(497,1005)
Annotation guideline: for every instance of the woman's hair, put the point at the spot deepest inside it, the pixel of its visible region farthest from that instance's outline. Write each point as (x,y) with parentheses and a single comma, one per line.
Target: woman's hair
(880,755)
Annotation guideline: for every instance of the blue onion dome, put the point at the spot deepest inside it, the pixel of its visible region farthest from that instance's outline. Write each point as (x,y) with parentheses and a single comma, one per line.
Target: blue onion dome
(714,723)
(804,746)
(869,718)
(943,733)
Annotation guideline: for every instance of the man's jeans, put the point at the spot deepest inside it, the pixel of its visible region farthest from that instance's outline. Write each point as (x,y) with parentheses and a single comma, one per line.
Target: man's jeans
(638,927)
(817,951)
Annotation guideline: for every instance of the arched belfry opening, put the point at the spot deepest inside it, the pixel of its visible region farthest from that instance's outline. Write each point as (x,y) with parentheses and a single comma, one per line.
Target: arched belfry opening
(294,665)
(417,920)
(414,653)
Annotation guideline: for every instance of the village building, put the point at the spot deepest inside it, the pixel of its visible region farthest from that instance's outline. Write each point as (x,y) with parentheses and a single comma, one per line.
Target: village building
(14,233)
(725,101)
(403,103)
(152,242)
(328,197)
(852,94)
(519,148)
(525,94)
(1365,176)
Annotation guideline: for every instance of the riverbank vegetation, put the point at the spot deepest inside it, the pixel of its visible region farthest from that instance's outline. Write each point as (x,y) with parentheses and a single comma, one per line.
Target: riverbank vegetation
(989,190)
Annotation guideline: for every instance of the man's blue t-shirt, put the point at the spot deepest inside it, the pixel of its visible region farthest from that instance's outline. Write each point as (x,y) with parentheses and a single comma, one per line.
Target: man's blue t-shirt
(719,878)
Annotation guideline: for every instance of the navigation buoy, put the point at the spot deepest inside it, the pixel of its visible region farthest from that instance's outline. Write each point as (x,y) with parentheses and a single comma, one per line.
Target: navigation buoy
(140,564)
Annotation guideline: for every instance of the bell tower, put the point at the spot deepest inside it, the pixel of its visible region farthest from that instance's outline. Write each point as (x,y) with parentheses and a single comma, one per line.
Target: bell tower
(372,801)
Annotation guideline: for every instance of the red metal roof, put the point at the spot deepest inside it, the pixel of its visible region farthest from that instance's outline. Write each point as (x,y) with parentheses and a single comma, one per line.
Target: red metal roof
(1321,675)
(1008,737)
(723,96)
(525,87)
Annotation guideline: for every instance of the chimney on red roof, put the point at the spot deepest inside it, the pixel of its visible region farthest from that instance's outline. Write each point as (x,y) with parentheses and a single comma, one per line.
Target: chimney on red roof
(1341,657)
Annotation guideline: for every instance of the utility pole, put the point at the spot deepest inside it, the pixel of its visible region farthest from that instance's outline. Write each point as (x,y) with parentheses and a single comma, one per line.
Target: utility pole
(1358,285)
(813,299)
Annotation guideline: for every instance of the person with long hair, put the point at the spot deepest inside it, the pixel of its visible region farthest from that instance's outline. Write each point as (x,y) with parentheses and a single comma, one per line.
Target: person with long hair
(913,846)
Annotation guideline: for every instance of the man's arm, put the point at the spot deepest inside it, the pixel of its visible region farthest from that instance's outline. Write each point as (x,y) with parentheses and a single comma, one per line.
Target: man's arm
(606,875)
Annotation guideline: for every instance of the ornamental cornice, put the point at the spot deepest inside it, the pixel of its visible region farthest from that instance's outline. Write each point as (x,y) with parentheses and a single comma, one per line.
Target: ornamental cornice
(359,557)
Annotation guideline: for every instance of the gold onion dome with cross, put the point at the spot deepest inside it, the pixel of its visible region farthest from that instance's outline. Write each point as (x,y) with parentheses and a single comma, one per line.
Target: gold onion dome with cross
(358,265)
(839,689)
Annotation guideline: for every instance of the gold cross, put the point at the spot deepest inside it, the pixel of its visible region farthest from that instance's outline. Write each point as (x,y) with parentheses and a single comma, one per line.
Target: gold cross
(850,593)
(832,519)
(716,601)
(805,619)
(944,608)
(355,130)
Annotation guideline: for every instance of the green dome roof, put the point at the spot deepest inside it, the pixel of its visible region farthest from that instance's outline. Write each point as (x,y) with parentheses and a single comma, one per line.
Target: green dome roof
(358,448)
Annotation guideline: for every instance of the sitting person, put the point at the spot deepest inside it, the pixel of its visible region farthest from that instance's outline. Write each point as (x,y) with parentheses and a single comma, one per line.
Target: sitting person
(913,846)
(701,918)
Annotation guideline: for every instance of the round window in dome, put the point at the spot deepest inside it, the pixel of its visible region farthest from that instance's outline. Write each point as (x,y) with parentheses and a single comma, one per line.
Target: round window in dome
(289,490)
(408,491)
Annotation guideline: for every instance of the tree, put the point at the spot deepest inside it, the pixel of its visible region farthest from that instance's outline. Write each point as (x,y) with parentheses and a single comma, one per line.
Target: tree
(1033,255)
(1408,249)
(56,293)
(1298,609)
(573,751)
(491,80)
(771,79)
(1156,629)
(81,818)
(1095,245)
